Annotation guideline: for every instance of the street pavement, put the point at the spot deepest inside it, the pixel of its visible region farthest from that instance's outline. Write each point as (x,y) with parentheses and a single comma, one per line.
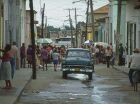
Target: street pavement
(21,79)
(123,69)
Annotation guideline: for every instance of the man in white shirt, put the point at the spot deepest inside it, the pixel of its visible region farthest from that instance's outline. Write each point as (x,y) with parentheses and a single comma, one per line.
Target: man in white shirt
(134,64)
(108,53)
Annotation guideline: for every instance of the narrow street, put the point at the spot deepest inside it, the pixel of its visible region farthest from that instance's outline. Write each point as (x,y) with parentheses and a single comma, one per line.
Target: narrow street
(108,86)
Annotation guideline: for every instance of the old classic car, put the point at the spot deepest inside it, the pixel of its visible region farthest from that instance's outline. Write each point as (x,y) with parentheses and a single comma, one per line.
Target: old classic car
(77,60)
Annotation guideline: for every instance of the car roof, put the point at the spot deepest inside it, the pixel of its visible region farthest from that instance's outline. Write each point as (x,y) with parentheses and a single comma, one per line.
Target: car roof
(78,49)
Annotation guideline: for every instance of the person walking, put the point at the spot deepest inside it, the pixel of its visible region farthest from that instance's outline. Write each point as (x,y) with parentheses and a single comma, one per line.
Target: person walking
(38,55)
(14,58)
(121,50)
(55,56)
(134,64)
(29,55)
(108,54)
(97,54)
(5,70)
(44,56)
(22,56)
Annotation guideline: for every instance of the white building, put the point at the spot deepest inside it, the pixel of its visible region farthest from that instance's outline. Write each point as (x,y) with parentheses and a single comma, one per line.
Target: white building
(14,21)
(129,25)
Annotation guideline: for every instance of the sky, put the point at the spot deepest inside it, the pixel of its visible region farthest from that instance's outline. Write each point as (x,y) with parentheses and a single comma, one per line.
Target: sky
(56,11)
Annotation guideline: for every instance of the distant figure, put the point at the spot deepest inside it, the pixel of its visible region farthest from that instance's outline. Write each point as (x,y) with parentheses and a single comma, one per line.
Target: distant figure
(55,56)
(44,56)
(5,70)
(108,53)
(22,56)
(111,47)
(29,55)
(38,55)
(121,50)
(97,54)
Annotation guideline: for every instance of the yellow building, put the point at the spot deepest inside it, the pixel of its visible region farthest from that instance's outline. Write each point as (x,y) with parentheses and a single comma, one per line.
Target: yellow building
(89,33)
(98,13)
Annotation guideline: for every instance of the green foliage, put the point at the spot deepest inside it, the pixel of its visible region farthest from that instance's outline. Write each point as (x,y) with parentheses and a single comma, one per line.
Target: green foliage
(51,28)
(81,24)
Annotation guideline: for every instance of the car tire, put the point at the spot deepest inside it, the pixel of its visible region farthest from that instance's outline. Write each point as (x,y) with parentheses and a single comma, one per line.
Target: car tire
(64,74)
(90,76)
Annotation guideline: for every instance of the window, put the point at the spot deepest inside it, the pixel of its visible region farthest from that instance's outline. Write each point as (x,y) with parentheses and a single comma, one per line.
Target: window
(83,54)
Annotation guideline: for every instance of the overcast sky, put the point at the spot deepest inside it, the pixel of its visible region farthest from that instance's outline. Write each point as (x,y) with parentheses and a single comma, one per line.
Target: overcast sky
(56,10)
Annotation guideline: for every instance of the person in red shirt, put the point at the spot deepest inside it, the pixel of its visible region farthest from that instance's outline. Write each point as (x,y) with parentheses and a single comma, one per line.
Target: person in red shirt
(5,70)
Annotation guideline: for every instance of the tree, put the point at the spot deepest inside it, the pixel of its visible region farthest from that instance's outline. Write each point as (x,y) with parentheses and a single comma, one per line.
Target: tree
(80,24)
(51,28)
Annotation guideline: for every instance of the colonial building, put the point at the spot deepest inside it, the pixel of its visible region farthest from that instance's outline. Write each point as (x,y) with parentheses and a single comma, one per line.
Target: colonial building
(102,31)
(14,21)
(129,26)
(98,13)
(101,23)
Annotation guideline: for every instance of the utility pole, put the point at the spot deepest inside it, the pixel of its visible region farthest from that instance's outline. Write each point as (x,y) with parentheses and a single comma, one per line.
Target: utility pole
(32,39)
(86,15)
(70,21)
(46,31)
(76,32)
(92,18)
(42,29)
(118,28)
(87,19)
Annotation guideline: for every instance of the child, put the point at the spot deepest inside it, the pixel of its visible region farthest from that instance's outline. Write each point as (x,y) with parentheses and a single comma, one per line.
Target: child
(55,56)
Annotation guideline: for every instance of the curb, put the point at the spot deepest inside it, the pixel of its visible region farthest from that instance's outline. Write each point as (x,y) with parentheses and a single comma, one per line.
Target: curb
(22,89)
(119,70)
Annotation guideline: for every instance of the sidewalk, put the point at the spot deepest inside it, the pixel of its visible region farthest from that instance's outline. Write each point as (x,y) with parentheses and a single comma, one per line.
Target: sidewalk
(21,78)
(123,69)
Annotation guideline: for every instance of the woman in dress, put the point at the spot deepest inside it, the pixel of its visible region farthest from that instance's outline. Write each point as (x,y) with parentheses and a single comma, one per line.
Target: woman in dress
(5,70)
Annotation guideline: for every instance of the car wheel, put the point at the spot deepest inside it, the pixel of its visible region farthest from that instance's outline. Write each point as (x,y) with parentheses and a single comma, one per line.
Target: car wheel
(64,74)
(90,76)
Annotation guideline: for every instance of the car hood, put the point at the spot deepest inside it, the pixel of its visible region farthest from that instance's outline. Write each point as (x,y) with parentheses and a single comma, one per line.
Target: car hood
(77,61)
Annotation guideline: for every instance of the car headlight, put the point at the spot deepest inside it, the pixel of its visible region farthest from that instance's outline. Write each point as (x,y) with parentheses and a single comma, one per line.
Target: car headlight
(65,69)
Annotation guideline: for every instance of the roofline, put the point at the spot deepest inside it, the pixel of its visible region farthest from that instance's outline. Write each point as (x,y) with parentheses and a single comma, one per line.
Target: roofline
(100,8)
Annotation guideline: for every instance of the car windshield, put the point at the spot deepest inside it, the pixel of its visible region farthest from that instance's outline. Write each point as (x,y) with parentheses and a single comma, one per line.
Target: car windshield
(83,54)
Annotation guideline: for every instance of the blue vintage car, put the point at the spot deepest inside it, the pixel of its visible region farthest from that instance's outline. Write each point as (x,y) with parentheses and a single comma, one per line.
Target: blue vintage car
(78,60)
